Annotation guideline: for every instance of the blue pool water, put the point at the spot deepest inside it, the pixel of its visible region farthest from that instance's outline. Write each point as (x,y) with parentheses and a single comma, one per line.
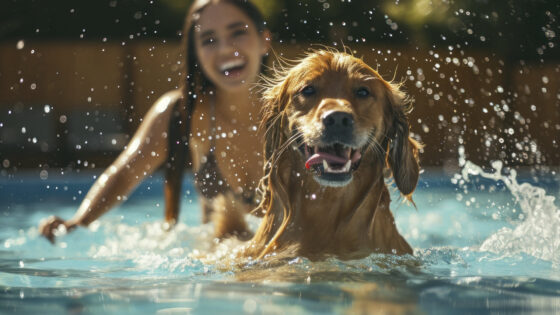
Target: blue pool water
(483,242)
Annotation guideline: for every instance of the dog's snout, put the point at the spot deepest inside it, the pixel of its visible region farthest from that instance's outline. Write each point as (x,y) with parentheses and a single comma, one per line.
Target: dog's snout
(338,127)
(336,119)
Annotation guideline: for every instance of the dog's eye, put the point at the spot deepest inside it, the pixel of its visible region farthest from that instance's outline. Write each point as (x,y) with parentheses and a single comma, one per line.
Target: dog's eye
(362,92)
(308,90)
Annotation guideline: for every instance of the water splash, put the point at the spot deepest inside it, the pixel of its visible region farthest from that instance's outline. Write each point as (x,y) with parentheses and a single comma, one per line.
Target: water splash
(538,234)
(150,246)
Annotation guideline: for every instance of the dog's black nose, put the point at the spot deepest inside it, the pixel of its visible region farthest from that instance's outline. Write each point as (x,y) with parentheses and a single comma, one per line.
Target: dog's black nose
(338,127)
(338,120)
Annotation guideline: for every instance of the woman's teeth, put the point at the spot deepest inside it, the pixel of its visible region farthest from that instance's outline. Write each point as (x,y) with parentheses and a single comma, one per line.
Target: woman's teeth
(230,65)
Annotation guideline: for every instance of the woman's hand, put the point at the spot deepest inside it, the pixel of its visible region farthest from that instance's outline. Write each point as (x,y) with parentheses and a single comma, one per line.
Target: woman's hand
(54,226)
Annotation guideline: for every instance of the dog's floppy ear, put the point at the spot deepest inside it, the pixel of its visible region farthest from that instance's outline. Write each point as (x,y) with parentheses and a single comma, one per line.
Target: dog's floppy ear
(274,99)
(273,121)
(402,155)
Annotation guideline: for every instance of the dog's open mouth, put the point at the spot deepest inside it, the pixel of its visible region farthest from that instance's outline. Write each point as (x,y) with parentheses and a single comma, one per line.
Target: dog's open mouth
(333,163)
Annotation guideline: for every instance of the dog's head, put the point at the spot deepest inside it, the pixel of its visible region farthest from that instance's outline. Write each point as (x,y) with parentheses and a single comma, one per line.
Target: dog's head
(334,110)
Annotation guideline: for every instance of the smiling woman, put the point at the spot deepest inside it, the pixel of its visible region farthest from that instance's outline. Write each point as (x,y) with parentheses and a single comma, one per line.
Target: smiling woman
(229,47)
(213,116)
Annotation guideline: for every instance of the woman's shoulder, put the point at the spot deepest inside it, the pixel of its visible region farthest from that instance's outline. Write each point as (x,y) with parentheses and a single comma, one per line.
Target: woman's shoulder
(165,103)
(172,94)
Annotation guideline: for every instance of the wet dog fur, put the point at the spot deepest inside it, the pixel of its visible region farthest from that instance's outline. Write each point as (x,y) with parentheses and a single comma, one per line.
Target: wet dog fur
(333,127)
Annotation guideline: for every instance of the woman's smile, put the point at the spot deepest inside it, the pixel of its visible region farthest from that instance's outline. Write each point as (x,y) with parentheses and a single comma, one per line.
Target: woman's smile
(229,46)
(233,68)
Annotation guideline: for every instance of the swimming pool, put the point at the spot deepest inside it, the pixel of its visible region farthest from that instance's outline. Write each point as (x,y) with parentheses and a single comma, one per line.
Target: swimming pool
(481,246)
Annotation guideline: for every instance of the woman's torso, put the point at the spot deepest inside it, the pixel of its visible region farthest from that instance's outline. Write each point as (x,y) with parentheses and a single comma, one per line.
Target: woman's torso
(226,152)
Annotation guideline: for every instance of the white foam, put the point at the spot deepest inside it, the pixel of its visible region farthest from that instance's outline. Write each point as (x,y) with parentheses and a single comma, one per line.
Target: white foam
(538,234)
(148,245)
(151,247)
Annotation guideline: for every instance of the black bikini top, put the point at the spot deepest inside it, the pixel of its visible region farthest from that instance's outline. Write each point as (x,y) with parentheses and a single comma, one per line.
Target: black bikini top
(208,179)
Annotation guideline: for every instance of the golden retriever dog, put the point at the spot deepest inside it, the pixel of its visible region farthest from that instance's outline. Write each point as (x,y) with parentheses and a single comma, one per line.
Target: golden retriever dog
(333,128)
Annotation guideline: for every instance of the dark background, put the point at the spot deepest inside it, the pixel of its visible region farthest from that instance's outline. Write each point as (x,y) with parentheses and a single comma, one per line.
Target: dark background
(76,77)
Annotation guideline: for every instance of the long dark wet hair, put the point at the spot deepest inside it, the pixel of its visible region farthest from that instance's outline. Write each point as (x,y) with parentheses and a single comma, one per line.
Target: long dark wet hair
(194,84)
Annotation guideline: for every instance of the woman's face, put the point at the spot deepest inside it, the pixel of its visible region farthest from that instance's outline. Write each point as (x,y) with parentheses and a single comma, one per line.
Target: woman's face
(228,46)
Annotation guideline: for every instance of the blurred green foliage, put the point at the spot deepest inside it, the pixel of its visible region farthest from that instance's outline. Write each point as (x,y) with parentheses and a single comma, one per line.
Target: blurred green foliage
(517,28)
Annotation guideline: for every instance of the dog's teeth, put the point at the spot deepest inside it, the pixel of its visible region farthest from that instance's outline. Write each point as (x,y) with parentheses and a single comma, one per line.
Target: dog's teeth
(326,166)
(347,166)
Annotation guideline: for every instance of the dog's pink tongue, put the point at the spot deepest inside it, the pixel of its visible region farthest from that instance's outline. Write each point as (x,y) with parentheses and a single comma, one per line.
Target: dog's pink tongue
(318,158)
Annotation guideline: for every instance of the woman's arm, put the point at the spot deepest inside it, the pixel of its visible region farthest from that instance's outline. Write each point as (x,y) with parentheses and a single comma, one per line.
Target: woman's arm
(145,153)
